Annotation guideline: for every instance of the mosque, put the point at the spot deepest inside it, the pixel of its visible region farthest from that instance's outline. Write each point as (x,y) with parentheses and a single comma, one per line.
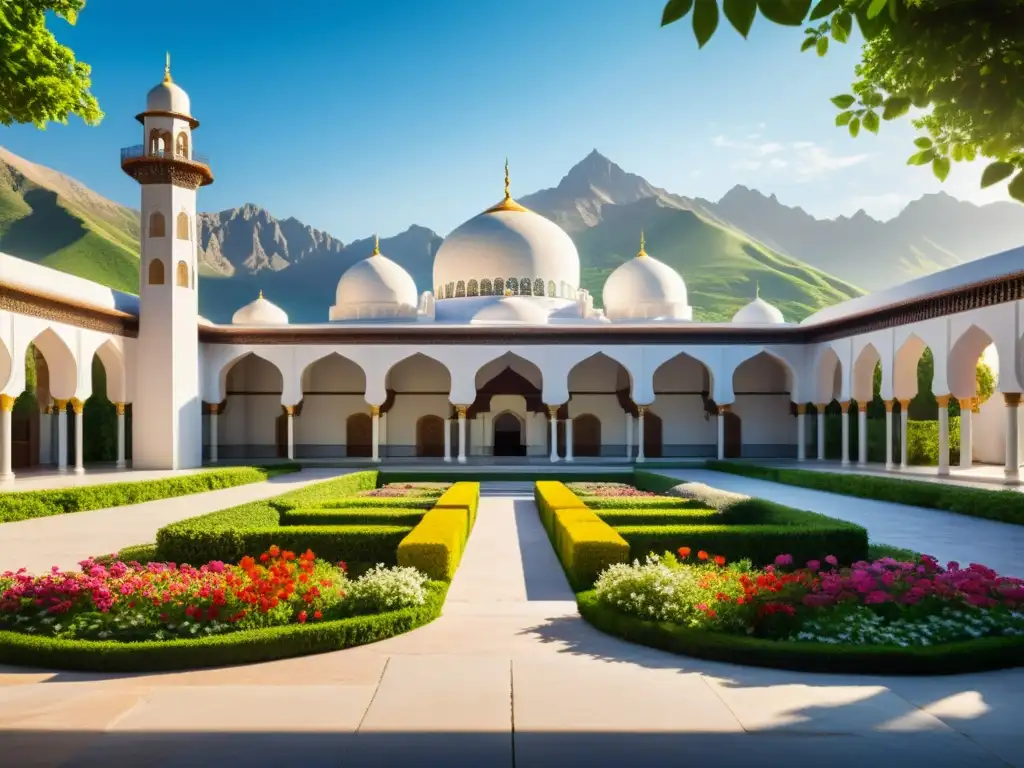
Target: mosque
(504,358)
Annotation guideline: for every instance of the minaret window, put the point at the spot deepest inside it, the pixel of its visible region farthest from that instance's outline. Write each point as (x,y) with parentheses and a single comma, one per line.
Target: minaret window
(551,288)
(524,286)
(182,274)
(499,286)
(156,142)
(512,286)
(460,289)
(156,272)
(182,226)
(181,145)
(485,287)
(156,224)
(472,289)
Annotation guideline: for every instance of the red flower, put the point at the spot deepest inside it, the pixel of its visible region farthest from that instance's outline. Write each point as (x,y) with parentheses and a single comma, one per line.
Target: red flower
(317,615)
(719,560)
(684,552)
(702,555)
(302,617)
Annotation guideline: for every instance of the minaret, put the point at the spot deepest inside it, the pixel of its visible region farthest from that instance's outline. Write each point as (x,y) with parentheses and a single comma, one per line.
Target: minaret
(166,409)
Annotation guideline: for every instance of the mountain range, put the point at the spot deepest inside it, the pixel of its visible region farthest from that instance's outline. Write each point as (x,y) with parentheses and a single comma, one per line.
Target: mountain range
(722,249)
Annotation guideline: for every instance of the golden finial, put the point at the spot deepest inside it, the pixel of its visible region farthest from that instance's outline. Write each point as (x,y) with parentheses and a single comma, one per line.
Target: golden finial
(167,68)
(508,204)
(508,193)
(643,242)
(376,245)
(261,294)
(757,289)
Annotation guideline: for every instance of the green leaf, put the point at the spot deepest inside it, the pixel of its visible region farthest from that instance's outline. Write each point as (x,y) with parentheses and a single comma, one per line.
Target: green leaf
(705,20)
(896,106)
(922,158)
(740,14)
(843,118)
(843,101)
(873,100)
(871,121)
(894,11)
(923,142)
(825,8)
(876,7)
(996,172)
(842,23)
(970,153)
(854,127)
(790,13)
(958,153)
(940,167)
(808,43)
(675,10)
(1016,188)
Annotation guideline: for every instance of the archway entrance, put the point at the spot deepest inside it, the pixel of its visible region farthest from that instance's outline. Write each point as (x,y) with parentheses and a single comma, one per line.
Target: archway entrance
(652,435)
(508,436)
(359,435)
(586,435)
(733,448)
(430,437)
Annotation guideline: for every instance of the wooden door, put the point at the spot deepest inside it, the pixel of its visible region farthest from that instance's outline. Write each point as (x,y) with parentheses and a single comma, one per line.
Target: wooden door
(430,437)
(652,436)
(733,436)
(586,435)
(359,435)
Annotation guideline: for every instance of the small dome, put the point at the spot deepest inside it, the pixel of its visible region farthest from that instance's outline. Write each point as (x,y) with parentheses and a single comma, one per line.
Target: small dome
(375,288)
(511,310)
(260,312)
(168,96)
(645,289)
(759,312)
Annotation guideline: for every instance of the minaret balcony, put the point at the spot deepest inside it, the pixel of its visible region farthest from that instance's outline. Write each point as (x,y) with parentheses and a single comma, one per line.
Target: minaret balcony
(161,166)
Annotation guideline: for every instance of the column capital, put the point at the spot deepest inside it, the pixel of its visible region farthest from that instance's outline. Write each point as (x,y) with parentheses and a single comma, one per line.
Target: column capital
(553,410)
(862,407)
(640,410)
(7,403)
(375,410)
(801,409)
(844,405)
(60,405)
(77,405)
(966,403)
(119,407)
(1012,399)
(49,409)
(214,408)
(942,400)
(820,407)
(289,409)
(723,409)
(904,404)
(461,410)
(888,405)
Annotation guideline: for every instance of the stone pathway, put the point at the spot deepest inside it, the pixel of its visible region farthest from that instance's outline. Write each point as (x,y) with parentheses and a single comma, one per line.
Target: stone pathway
(508,676)
(944,535)
(65,540)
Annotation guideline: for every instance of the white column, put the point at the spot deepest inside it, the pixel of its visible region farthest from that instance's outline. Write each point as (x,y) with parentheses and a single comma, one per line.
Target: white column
(553,424)
(448,440)
(629,436)
(943,401)
(904,417)
(6,407)
(640,434)
(383,433)
(120,435)
(845,405)
(462,433)
(966,436)
(78,406)
(214,419)
(62,434)
(289,411)
(722,410)
(888,434)
(1012,468)
(819,419)
(46,435)
(801,433)
(568,441)
(375,416)
(862,433)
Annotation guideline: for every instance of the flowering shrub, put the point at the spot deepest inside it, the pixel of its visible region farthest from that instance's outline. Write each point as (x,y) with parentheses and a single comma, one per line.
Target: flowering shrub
(162,601)
(606,489)
(400,490)
(885,602)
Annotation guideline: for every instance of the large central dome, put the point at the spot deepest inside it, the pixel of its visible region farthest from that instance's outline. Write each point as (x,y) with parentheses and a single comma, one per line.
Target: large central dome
(507,248)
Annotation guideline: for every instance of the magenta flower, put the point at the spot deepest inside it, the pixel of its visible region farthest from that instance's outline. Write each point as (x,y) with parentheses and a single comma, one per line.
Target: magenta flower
(783,560)
(831,560)
(814,565)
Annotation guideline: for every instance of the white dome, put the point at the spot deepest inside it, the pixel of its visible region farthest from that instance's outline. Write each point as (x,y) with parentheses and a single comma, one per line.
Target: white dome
(168,96)
(759,312)
(375,288)
(645,288)
(507,241)
(260,312)
(512,310)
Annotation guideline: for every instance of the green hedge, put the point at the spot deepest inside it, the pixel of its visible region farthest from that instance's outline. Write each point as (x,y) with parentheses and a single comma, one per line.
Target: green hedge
(1004,505)
(352,516)
(246,647)
(922,439)
(642,502)
(23,505)
(377,502)
(412,476)
(654,516)
(329,491)
(952,658)
(435,546)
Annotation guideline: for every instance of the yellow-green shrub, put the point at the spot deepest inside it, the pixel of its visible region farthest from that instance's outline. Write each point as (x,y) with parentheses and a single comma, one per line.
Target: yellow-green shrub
(464,495)
(550,495)
(435,546)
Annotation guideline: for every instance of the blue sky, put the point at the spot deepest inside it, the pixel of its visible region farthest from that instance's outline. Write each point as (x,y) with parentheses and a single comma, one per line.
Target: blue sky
(362,116)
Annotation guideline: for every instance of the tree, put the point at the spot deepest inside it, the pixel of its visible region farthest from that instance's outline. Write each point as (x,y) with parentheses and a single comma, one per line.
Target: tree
(40,80)
(924,406)
(959,61)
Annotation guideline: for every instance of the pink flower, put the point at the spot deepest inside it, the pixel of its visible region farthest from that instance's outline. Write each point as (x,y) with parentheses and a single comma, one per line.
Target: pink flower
(831,560)
(814,565)
(783,560)
(878,596)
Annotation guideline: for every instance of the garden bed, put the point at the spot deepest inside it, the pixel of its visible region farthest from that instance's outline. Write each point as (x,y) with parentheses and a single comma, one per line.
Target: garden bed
(884,617)
(133,617)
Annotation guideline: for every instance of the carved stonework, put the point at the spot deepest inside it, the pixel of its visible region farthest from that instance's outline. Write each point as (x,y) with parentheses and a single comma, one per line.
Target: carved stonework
(77,405)
(119,407)
(6,403)
(461,410)
(151,170)
(24,303)
(888,405)
(375,410)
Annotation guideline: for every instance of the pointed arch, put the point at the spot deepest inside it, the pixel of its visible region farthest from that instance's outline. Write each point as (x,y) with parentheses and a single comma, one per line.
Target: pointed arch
(419,372)
(962,372)
(60,363)
(157,225)
(863,379)
(6,367)
(520,365)
(182,227)
(181,145)
(333,372)
(156,272)
(762,359)
(182,275)
(904,374)
(829,373)
(113,362)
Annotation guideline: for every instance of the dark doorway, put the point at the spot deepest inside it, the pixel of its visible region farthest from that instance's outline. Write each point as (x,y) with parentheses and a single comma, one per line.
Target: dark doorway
(586,435)
(359,435)
(652,435)
(733,436)
(508,436)
(430,437)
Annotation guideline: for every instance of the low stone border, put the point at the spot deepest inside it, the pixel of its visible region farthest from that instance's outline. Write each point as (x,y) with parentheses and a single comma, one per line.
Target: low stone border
(949,659)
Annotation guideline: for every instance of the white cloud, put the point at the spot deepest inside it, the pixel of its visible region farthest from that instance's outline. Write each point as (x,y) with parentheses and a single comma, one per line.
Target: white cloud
(777,163)
(802,144)
(805,159)
(747,165)
(815,161)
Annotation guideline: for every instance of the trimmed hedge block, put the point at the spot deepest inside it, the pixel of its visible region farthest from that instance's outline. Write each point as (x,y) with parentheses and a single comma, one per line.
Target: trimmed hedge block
(463,495)
(435,546)
(319,494)
(643,502)
(656,516)
(352,516)
(376,502)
